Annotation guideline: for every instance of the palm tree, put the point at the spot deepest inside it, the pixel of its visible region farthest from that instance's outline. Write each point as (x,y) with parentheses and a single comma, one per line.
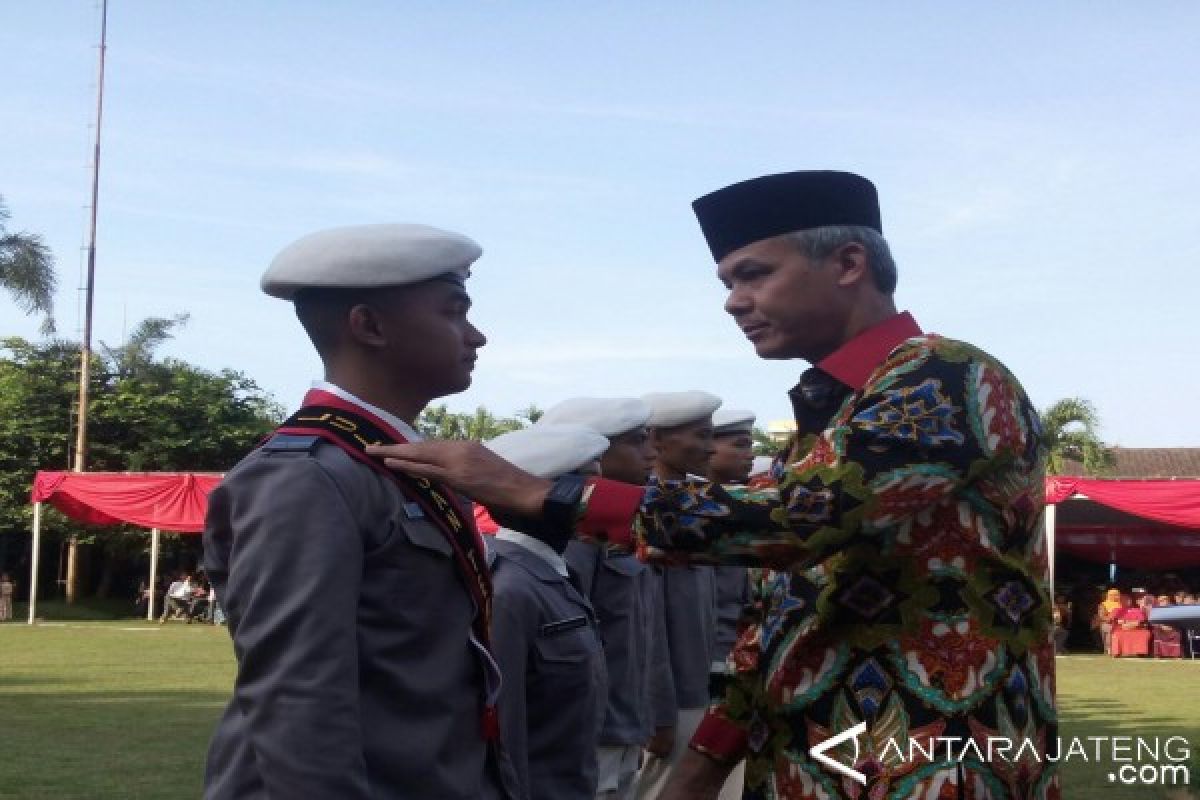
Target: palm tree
(27,271)
(484,425)
(1071,433)
(139,349)
(530,414)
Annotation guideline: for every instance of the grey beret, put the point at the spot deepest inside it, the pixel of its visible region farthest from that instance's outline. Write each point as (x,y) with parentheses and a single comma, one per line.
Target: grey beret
(549,451)
(733,420)
(367,256)
(608,416)
(669,409)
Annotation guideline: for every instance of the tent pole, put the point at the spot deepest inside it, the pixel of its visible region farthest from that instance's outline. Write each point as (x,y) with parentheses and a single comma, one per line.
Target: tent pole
(33,565)
(1051,522)
(153,572)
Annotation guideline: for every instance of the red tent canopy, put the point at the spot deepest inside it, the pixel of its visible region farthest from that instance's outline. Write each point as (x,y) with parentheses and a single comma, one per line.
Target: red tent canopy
(177,502)
(1154,524)
(1175,502)
(170,501)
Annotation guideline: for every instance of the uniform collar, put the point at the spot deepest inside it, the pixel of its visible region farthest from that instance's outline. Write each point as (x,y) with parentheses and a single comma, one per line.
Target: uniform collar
(400,425)
(853,362)
(544,552)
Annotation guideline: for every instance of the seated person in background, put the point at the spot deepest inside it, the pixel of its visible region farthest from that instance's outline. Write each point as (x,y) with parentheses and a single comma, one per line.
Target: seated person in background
(141,600)
(1132,614)
(544,633)
(178,598)
(1167,639)
(1131,633)
(198,605)
(1145,601)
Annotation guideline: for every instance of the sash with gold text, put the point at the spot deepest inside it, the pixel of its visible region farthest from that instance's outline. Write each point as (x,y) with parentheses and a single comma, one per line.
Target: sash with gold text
(353,428)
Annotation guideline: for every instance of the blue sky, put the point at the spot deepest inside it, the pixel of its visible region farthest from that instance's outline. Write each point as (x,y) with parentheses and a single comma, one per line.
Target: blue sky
(1037,165)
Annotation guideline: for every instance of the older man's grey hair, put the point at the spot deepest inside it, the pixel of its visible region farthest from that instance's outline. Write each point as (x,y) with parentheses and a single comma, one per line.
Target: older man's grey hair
(819,243)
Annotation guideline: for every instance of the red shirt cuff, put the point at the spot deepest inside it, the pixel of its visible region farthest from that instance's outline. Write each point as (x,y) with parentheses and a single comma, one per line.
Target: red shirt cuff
(484,522)
(719,738)
(611,509)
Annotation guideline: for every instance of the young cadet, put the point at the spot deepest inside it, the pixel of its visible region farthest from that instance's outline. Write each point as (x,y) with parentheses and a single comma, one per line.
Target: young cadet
(731,464)
(544,634)
(681,431)
(628,602)
(906,531)
(732,460)
(358,599)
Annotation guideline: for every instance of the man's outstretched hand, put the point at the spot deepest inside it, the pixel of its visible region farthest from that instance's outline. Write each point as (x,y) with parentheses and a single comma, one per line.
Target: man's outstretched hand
(472,469)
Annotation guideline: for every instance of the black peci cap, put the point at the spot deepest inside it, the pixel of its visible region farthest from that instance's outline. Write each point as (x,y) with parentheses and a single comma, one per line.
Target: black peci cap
(773,205)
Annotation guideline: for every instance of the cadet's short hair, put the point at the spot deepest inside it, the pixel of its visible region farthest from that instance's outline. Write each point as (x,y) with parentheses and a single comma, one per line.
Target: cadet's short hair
(323,312)
(819,243)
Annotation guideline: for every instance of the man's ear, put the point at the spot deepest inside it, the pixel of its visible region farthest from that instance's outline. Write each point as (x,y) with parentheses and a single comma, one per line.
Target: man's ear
(365,326)
(851,263)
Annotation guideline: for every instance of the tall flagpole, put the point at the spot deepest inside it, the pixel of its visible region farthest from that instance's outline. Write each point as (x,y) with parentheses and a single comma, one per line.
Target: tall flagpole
(85,349)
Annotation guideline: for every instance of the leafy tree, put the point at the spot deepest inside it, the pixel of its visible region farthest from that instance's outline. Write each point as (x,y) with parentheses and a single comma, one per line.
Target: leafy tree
(439,422)
(164,416)
(1071,433)
(764,443)
(531,414)
(27,271)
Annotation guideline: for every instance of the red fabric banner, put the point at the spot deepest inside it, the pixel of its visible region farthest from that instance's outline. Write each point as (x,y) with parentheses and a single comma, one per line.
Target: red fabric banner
(1151,547)
(1174,502)
(164,500)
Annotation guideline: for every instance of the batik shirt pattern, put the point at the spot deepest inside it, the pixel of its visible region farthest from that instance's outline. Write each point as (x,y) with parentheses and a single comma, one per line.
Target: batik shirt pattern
(905,586)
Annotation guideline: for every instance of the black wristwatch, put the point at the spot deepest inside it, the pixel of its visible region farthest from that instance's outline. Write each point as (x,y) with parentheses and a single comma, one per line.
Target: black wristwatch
(556,525)
(561,506)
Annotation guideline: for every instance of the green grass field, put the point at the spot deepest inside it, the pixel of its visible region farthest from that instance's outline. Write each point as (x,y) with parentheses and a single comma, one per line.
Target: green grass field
(124,709)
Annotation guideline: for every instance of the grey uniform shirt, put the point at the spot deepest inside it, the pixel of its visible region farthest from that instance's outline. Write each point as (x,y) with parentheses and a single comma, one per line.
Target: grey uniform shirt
(690,606)
(552,698)
(733,595)
(356,674)
(628,602)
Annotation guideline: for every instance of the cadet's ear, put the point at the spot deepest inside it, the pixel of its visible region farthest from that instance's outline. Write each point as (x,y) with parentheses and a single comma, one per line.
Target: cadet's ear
(365,326)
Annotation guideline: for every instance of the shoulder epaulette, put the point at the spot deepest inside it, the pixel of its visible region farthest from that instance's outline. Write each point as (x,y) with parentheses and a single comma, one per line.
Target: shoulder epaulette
(291,443)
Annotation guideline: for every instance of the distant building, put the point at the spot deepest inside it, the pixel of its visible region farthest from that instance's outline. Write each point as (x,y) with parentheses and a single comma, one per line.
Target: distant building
(781,430)
(1147,462)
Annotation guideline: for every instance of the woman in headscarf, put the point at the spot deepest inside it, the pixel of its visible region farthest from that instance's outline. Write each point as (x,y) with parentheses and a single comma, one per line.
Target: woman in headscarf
(1104,616)
(1167,641)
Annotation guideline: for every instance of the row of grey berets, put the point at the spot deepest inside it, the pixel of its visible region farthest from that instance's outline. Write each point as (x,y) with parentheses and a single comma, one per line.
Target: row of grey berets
(576,432)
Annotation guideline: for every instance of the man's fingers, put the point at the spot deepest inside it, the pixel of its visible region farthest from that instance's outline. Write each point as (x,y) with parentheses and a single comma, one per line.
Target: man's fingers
(407,451)
(417,469)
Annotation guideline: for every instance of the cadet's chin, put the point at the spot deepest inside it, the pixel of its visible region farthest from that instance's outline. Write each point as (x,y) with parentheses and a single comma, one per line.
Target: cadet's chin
(457,386)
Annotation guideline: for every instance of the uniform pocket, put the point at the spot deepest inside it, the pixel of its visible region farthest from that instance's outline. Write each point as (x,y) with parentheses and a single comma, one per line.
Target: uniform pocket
(415,567)
(566,650)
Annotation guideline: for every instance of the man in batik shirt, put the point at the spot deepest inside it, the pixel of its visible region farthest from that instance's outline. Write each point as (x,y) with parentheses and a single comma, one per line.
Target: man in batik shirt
(910,586)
